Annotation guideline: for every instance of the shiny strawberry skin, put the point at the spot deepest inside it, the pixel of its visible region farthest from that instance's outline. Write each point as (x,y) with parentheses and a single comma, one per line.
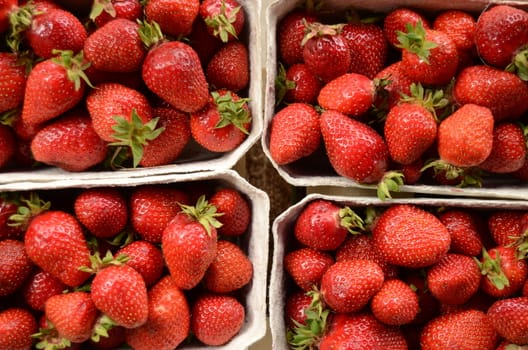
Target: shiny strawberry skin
(397,19)
(294,309)
(175,17)
(460,26)
(236,211)
(398,83)
(15,266)
(290,33)
(306,266)
(505,226)
(39,287)
(307,85)
(351,94)
(395,303)
(16,327)
(129,9)
(464,231)
(229,67)
(509,317)
(508,153)
(13,82)
(515,270)
(209,9)
(327,56)
(146,258)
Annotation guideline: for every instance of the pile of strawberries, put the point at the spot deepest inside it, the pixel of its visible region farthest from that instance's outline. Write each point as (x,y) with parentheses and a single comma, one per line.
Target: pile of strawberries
(151,267)
(406,97)
(121,83)
(406,276)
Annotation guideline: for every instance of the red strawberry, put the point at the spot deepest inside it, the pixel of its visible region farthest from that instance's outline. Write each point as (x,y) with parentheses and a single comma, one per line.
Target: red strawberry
(152,208)
(103,11)
(294,133)
(203,42)
(411,172)
(392,83)
(465,138)
(175,17)
(15,266)
(216,319)
(306,266)
(189,243)
(470,329)
(223,124)
(395,303)
(505,226)
(13,82)
(69,142)
(398,19)
(459,25)
(429,306)
(464,231)
(505,94)
(352,94)
(114,340)
(229,67)
(295,308)
(120,293)
(454,279)
(145,258)
(407,235)
(8,146)
(509,318)
(72,314)
(290,34)
(508,153)
(39,287)
(16,328)
(168,320)
(6,7)
(224,18)
(355,150)
(236,211)
(299,85)
(55,242)
(115,47)
(230,270)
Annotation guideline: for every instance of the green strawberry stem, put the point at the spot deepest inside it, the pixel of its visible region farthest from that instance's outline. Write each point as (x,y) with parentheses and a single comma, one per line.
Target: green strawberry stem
(150,33)
(390,182)
(203,212)
(100,6)
(97,263)
(20,21)
(414,41)
(8,118)
(468,176)
(282,85)
(74,65)
(351,221)
(491,268)
(231,111)
(48,339)
(519,65)
(28,209)
(101,328)
(430,99)
(134,134)
(222,23)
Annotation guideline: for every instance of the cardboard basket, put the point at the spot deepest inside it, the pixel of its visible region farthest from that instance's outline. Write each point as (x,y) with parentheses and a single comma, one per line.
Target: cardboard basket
(254,242)
(316,170)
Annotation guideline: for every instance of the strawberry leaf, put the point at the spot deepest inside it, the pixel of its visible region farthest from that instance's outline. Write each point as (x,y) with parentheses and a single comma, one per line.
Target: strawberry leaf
(519,65)
(231,111)
(222,23)
(100,6)
(414,41)
(491,268)
(203,212)
(351,221)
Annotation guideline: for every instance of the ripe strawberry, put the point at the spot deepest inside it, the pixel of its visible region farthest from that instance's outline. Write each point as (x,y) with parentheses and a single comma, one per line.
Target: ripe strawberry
(508,153)
(412,172)
(8,145)
(505,94)
(352,94)
(223,124)
(429,306)
(114,340)
(103,11)
(229,67)
(72,314)
(295,308)
(189,243)
(464,231)
(216,319)
(407,235)
(470,329)
(203,42)
(15,266)
(509,318)
(236,211)
(505,226)
(115,47)
(16,327)
(230,270)
(392,83)
(152,208)
(465,138)
(297,84)
(397,20)
(225,19)
(395,303)
(69,142)
(6,7)
(325,51)
(294,133)
(145,258)
(168,320)
(39,287)
(175,17)
(55,242)
(120,293)
(306,266)
(355,150)
(290,34)
(460,26)
(12,82)
(454,279)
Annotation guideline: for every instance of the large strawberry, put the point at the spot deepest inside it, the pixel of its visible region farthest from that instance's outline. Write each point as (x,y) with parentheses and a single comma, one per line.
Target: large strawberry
(396,303)
(17,325)
(15,266)
(175,17)
(306,266)
(235,209)
(225,19)
(509,318)
(12,82)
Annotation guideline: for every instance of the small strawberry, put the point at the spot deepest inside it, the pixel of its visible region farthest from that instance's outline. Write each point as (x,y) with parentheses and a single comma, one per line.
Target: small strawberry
(16,328)
(297,84)
(509,318)
(216,319)
(464,231)
(145,258)
(392,83)
(395,303)
(505,226)
(397,20)
(290,33)
(229,67)
(236,211)
(103,11)
(294,133)
(175,17)
(224,18)
(508,153)
(39,287)
(306,266)
(15,266)
(12,82)
(296,307)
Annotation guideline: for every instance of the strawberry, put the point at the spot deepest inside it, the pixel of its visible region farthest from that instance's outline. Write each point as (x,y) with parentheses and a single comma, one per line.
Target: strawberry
(351,93)
(175,17)
(505,226)
(229,67)
(8,146)
(236,211)
(325,51)
(15,266)
(69,142)
(294,133)
(39,287)
(465,137)
(355,150)
(298,84)
(103,211)
(223,124)
(290,34)
(230,270)
(225,19)
(397,20)
(464,231)
(454,279)
(502,92)
(114,340)
(297,303)
(189,243)
(306,266)
(395,303)
(151,209)
(508,153)
(16,327)
(72,314)
(12,82)
(509,318)
(324,225)
(203,42)
(412,172)
(216,319)
(6,7)
(54,241)
(115,47)
(168,320)
(103,11)
(407,235)
(120,293)
(470,329)
(392,83)
(429,306)
(145,258)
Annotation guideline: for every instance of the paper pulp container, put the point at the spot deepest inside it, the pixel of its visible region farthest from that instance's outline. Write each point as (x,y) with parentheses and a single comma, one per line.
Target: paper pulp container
(316,170)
